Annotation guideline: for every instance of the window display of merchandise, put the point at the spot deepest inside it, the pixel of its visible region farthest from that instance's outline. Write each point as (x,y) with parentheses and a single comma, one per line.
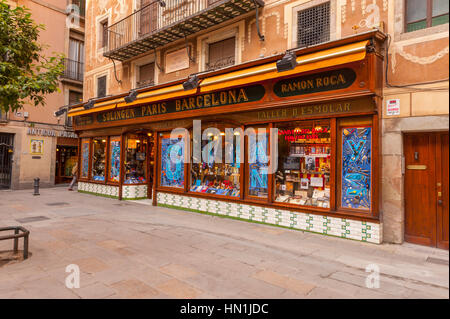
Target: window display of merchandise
(216,176)
(136,159)
(98,159)
(304,163)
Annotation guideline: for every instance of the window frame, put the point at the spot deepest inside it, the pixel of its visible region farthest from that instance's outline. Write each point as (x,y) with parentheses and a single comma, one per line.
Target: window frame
(157,179)
(429,17)
(241,167)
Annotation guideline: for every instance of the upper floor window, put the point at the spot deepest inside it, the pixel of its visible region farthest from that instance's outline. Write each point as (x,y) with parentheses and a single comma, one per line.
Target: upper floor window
(81,5)
(421,14)
(101,86)
(313,25)
(221,54)
(104,33)
(146,75)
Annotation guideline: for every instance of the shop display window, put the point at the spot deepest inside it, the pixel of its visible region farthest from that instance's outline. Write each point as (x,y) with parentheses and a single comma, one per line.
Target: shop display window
(213,175)
(85,158)
(258,164)
(304,163)
(98,159)
(114,157)
(172,162)
(356,167)
(136,159)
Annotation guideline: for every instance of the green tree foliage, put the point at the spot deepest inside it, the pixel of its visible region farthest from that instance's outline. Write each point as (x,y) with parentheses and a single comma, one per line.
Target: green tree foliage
(26,75)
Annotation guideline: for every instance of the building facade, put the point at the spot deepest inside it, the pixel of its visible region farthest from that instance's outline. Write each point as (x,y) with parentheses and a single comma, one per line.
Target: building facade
(370,79)
(35,142)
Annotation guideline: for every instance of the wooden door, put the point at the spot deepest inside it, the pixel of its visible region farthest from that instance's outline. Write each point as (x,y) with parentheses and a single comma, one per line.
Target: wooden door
(426,189)
(442,190)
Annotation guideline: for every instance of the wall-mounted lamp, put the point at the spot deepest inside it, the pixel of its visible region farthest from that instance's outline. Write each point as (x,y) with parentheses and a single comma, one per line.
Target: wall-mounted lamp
(89,105)
(60,112)
(191,83)
(131,97)
(288,62)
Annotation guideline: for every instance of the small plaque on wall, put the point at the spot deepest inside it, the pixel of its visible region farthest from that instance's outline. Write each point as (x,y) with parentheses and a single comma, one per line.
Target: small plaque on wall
(177,60)
(393,107)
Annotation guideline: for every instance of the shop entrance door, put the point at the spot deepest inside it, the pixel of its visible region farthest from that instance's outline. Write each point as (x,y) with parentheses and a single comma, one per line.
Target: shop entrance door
(6,153)
(426,189)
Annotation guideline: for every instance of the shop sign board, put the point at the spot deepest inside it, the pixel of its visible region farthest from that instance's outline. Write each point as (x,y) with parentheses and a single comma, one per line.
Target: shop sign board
(320,82)
(50,133)
(221,98)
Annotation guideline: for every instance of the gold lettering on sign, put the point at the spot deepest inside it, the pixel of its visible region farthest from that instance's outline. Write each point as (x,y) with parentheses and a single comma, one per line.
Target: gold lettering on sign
(310,84)
(318,109)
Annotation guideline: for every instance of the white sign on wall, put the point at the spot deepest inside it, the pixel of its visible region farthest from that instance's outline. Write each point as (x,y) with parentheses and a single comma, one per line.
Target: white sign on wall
(177,60)
(393,107)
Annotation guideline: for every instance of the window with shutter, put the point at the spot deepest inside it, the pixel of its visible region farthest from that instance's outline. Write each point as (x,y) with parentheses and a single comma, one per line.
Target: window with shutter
(221,54)
(313,25)
(146,75)
(104,35)
(75,97)
(101,86)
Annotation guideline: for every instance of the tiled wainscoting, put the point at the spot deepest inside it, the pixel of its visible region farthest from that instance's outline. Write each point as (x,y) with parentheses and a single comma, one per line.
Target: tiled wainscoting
(129,192)
(344,228)
(99,189)
(134,192)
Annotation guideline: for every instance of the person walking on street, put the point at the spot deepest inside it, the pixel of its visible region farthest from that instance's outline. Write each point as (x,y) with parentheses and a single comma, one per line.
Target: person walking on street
(74,174)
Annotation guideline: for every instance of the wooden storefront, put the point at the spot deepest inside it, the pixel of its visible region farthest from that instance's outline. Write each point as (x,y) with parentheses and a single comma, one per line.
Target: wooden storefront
(325,110)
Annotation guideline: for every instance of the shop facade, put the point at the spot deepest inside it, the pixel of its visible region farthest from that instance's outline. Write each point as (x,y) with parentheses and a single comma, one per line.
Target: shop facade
(312,164)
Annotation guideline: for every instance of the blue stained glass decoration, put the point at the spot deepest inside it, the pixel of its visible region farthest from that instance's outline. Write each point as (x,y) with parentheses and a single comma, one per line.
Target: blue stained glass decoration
(172,162)
(259,166)
(115,161)
(356,167)
(85,159)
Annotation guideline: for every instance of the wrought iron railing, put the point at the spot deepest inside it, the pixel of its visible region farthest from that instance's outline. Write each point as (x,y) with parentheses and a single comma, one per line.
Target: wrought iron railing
(73,70)
(221,63)
(145,83)
(152,18)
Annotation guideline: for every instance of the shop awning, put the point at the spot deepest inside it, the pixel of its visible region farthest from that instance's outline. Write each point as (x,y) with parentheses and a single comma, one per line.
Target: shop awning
(318,60)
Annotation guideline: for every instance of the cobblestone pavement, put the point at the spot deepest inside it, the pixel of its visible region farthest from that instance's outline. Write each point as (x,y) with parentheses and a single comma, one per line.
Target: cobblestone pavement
(134,250)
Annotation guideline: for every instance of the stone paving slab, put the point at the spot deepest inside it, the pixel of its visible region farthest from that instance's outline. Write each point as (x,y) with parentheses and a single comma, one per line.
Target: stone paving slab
(134,250)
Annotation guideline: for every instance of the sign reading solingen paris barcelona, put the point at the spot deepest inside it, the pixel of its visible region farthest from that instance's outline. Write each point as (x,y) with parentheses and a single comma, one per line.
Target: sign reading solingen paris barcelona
(221,98)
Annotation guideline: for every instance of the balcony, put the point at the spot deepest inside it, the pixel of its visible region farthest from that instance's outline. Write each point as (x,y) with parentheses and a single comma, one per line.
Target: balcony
(73,70)
(155,25)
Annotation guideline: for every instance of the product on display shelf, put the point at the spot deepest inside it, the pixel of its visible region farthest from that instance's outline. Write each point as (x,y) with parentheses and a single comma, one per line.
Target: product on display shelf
(304,151)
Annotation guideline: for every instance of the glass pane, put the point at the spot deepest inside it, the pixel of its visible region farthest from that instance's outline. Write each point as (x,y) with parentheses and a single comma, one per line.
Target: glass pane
(258,165)
(304,163)
(416,10)
(98,159)
(85,158)
(136,159)
(114,173)
(416,26)
(172,162)
(440,7)
(217,174)
(356,167)
(439,20)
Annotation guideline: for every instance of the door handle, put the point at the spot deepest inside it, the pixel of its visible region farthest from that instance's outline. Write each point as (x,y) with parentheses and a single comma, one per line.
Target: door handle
(439,201)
